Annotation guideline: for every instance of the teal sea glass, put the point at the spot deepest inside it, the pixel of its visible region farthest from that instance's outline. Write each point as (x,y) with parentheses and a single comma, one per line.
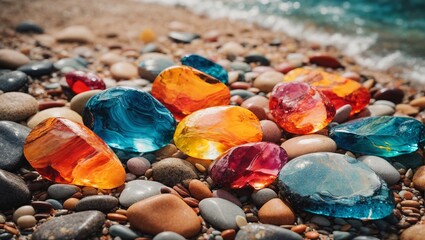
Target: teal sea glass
(129,120)
(207,66)
(335,185)
(384,136)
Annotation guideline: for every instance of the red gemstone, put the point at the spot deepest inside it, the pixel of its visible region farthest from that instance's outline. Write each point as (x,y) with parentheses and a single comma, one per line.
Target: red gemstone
(80,81)
(252,164)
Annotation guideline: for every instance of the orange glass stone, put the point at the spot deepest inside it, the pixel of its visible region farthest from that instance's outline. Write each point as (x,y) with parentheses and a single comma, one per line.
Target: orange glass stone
(64,151)
(208,133)
(184,90)
(339,90)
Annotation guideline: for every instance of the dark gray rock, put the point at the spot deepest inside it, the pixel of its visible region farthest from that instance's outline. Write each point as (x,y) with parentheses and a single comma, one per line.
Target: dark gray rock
(13,191)
(28,27)
(256,231)
(245,94)
(137,190)
(150,68)
(122,232)
(37,69)
(12,138)
(62,191)
(257,58)
(80,225)
(220,213)
(262,196)
(13,81)
(102,203)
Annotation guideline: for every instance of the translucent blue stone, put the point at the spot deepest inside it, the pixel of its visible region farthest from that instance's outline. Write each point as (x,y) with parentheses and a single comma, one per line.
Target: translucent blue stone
(384,136)
(335,185)
(129,120)
(207,66)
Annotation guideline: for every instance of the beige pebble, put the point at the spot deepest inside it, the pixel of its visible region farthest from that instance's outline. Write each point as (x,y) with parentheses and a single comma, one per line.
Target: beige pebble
(26,221)
(276,212)
(257,100)
(241,221)
(415,232)
(70,203)
(17,106)
(418,102)
(380,110)
(78,102)
(232,48)
(200,167)
(312,143)
(267,80)
(12,59)
(63,112)
(419,178)
(22,211)
(75,34)
(124,70)
(406,109)
(110,58)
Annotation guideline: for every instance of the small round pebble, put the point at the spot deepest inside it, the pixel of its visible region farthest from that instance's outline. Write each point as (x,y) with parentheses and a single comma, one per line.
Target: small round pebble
(167,235)
(26,221)
(62,191)
(17,106)
(276,212)
(260,197)
(70,203)
(138,165)
(124,70)
(267,80)
(22,211)
(12,59)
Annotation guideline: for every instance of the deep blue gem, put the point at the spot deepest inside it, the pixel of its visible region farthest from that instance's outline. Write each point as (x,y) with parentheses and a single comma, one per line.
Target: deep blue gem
(207,66)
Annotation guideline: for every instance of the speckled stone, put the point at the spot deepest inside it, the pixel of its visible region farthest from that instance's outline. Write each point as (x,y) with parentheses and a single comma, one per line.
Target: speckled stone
(137,190)
(265,232)
(12,138)
(13,191)
(171,171)
(101,203)
(16,106)
(220,213)
(80,225)
(62,191)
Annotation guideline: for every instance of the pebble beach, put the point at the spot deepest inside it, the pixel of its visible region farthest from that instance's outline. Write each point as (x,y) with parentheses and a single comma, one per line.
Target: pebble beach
(167,193)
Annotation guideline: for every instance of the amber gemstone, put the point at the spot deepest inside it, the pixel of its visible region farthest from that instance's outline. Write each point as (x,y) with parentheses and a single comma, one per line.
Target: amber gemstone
(339,90)
(184,90)
(64,151)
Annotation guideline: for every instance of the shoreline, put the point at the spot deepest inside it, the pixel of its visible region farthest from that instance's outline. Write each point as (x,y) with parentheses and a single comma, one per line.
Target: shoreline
(123,29)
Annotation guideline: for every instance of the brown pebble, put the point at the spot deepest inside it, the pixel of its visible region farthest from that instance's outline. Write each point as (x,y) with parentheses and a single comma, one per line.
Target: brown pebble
(408,195)
(70,203)
(276,212)
(200,168)
(419,178)
(412,220)
(116,217)
(418,102)
(148,173)
(407,109)
(299,228)
(228,234)
(166,151)
(346,227)
(325,60)
(191,201)
(11,230)
(121,211)
(199,190)
(271,132)
(26,221)
(240,85)
(312,235)
(259,112)
(180,189)
(416,232)
(410,203)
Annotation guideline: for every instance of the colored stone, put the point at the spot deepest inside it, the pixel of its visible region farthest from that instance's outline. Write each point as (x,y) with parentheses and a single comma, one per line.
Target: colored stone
(209,132)
(64,151)
(339,90)
(384,136)
(80,81)
(130,121)
(300,108)
(207,66)
(251,164)
(339,193)
(184,90)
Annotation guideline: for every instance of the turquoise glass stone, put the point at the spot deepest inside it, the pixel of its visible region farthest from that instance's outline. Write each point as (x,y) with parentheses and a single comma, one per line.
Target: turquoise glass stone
(207,66)
(129,120)
(384,136)
(335,185)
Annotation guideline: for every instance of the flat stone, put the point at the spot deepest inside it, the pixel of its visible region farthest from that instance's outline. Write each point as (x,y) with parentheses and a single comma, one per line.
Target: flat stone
(266,232)
(62,112)
(221,193)
(124,70)
(276,212)
(70,64)
(340,194)
(12,138)
(123,232)
(301,145)
(62,191)
(137,190)
(383,136)
(13,191)
(415,232)
(12,59)
(75,34)
(220,213)
(29,27)
(382,168)
(380,110)
(232,48)
(260,197)
(150,68)
(17,106)
(80,225)
(148,216)
(110,58)
(183,37)
(168,236)
(78,102)
(103,203)
(13,81)
(171,171)
(37,69)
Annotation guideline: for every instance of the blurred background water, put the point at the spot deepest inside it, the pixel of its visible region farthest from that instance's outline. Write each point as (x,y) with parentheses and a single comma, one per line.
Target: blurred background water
(379,34)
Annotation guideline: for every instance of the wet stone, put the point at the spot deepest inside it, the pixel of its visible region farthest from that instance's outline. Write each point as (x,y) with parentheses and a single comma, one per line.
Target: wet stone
(13,81)
(207,66)
(340,194)
(150,68)
(62,191)
(13,191)
(37,69)
(220,213)
(70,64)
(103,203)
(137,190)
(123,232)
(80,225)
(262,196)
(12,138)
(383,136)
(266,232)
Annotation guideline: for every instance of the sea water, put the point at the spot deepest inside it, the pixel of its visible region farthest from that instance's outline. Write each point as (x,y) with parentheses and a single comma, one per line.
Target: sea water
(379,34)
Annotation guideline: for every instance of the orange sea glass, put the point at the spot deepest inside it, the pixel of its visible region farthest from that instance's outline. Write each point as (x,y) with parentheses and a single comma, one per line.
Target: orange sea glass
(339,90)
(208,133)
(64,151)
(183,90)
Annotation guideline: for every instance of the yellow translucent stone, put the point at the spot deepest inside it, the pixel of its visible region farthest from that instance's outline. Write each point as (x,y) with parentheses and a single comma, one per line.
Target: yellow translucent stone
(184,90)
(147,35)
(208,133)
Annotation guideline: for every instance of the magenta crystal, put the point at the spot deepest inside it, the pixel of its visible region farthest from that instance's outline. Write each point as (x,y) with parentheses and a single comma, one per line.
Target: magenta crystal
(253,164)
(80,81)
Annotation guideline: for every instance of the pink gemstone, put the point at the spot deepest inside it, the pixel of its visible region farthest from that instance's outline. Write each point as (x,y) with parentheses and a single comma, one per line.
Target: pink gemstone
(300,108)
(252,164)
(80,81)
